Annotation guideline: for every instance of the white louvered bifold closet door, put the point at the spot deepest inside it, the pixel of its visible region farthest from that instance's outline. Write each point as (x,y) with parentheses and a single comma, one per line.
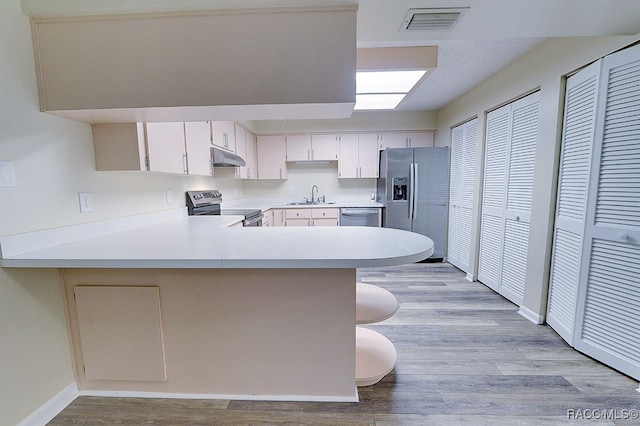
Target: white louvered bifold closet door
(573,181)
(508,184)
(608,321)
(463,152)
(495,166)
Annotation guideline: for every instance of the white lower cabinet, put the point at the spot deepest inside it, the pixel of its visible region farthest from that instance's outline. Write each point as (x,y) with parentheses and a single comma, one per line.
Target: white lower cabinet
(278,218)
(312,217)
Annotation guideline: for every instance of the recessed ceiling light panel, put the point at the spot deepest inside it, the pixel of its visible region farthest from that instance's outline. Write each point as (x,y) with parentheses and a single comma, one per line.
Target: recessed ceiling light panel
(378,101)
(387,81)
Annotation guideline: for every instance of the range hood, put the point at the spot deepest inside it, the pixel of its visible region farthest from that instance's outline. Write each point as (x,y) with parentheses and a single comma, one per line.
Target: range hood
(222,158)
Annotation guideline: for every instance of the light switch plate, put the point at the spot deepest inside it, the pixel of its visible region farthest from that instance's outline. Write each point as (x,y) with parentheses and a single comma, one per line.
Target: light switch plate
(169,196)
(7,174)
(86,202)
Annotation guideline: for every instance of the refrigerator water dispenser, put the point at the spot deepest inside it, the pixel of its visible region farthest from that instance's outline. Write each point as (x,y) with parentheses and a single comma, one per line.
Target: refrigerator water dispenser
(400,188)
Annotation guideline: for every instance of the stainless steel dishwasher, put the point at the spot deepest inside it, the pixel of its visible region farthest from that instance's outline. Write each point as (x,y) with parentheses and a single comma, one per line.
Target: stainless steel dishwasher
(359,216)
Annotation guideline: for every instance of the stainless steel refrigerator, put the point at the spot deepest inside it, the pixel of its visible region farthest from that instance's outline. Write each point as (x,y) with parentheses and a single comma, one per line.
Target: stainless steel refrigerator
(414,188)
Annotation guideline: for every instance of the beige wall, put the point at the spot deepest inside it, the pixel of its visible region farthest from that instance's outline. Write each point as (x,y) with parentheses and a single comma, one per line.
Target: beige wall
(53,160)
(359,121)
(543,68)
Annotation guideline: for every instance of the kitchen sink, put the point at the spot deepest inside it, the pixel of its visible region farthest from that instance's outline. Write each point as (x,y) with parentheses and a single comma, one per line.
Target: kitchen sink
(309,203)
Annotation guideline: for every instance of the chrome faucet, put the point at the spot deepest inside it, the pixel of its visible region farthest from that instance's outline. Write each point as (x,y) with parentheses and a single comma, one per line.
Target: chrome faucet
(313,200)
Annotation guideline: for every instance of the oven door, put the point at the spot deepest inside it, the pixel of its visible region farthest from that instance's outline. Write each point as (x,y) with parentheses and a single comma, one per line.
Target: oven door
(207,210)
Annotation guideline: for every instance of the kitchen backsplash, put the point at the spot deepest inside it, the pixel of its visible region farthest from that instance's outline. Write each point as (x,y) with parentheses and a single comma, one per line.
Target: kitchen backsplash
(301,177)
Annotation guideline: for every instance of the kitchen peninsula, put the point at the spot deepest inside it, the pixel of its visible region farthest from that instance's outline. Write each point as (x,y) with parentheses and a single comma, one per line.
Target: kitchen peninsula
(189,306)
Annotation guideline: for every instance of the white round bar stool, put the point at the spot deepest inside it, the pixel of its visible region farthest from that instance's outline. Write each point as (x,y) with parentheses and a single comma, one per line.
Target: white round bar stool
(374,304)
(375,356)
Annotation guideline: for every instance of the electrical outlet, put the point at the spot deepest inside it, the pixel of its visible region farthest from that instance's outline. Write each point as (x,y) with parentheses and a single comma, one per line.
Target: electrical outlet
(290,190)
(356,189)
(169,196)
(7,174)
(86,202)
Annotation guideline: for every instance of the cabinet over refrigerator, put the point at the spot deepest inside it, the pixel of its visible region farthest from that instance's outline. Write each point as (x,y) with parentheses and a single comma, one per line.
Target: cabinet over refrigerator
(414,188)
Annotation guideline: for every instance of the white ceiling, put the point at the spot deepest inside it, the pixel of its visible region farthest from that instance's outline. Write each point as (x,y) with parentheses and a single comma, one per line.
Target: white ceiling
(490,35)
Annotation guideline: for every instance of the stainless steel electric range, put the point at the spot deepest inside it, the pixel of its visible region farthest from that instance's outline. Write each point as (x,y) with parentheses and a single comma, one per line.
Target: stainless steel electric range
(200,203)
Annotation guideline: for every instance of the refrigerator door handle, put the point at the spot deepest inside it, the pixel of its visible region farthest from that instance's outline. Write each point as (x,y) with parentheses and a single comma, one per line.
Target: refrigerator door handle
(411,192)
(415,191)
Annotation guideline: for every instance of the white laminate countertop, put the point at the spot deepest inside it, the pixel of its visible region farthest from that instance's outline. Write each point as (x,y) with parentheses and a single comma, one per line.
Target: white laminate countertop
(285,203)
(200,242)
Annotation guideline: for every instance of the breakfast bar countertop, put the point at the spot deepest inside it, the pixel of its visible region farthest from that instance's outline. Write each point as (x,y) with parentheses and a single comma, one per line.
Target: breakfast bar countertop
(195,242)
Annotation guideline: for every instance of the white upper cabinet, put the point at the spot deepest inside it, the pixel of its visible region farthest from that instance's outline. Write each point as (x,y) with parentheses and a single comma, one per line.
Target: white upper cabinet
(224,135)
(166,147)
(156,147)
(251,169)
(198,142)
(307,147)
(119,146)
(246,148)
(298,147)
(324,147)
(420,139)
(240,149)
(272,154)
(348,165)
(405,139)
(358,156)
(392,140)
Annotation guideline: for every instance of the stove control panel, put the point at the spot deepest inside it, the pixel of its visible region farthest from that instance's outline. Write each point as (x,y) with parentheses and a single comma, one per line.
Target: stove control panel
(199,198)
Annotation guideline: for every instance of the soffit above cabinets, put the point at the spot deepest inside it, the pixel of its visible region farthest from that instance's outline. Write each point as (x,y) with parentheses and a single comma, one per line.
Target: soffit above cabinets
(223,65)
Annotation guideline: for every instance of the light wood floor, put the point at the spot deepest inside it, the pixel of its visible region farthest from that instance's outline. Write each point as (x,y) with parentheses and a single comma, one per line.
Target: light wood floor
(465,357)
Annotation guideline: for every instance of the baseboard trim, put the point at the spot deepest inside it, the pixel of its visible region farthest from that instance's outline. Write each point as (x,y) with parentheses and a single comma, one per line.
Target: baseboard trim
(300,398)
(47,411)
(530,315)
(471,277)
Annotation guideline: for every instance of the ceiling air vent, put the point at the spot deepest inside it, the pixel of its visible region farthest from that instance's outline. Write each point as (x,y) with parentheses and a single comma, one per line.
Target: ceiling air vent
(432,19)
